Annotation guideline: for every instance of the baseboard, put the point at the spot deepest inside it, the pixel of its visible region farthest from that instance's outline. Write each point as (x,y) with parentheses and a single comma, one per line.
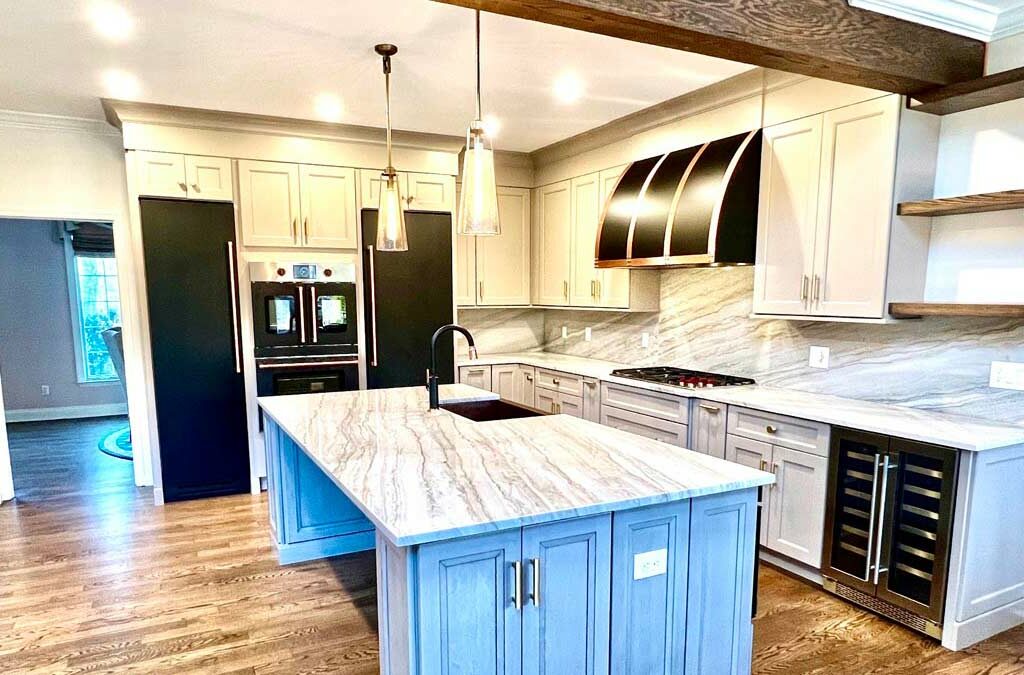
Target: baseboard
(70,412)
(963,634)
(791,567)
(316,549)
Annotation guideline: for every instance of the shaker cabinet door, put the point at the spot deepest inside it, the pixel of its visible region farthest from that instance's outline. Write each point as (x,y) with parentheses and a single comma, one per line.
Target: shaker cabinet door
(503,262)
(796,518)
(160,174)
(503,381)
(430,192)
(708,428)
(476,376)
(209,178)
(757,455)
(552,235)
(269,203)
(586,214)
(329,218)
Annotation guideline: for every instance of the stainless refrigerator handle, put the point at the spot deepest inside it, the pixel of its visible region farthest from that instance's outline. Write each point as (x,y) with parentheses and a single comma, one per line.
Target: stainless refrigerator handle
(373,307)
(234,307)
(302,317)
(871,518)
(881,514)
(312,312)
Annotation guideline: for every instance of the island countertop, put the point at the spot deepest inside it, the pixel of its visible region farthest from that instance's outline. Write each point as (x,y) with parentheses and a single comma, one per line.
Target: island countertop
(423,476)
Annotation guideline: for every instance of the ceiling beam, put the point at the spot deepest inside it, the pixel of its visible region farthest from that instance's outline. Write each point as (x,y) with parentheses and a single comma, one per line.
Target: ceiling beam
(821,38)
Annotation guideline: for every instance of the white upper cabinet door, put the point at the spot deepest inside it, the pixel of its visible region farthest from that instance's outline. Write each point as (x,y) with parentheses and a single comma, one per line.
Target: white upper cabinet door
(503,381)
(552,239)
(503,262)
(787,217)
(429,192)
(613,288)
(465,271)
(329,216)
(855,208)
(269,203)
(586,212)
(161,174)
(369,187)
(209,178)
(796,518)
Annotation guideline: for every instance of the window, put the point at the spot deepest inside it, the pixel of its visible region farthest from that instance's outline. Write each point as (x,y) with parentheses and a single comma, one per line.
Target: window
(98,307)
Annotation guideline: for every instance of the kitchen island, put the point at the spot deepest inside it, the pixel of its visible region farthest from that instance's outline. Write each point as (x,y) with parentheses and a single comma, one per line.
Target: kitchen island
(542,544)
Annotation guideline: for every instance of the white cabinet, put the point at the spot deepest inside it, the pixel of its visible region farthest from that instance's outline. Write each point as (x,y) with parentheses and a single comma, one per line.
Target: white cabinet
(707,427)
(476,376)
(166,174)
(586,215)
(644,425)
(525,390)
(369,187)
(756,455)
(552,239)
(503,381)
(614,284)
(559,393)
(421,191)
(292,205)
(495,270)
(591,400)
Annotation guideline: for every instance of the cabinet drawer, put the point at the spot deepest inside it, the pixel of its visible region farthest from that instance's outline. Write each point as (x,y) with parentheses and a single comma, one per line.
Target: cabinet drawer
(667,407)
(476,376)
(560,382)
(790,432)
(644,425)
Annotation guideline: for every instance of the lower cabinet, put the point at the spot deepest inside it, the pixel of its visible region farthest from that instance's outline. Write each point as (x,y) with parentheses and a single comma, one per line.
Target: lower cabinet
(476,376)
(644,425)
(557,403)
(707,427)
(503,381)
(525,378)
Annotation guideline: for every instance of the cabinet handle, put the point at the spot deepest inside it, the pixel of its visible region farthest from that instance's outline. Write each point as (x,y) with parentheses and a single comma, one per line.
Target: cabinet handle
(817,288)
(481,286)
(879,530)
(714,410)
(312,313)
(591,384)
(195,187)
(565,289)
(517,585)
(535,578)
(555,380)
(593,288)
(805,282)
(184,188)
(295,229)
(771,429)
(529,378)
(305,229)
(600,291)
(764,465)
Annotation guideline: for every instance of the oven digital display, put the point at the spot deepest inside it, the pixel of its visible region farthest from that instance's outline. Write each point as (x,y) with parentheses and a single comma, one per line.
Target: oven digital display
(304,271)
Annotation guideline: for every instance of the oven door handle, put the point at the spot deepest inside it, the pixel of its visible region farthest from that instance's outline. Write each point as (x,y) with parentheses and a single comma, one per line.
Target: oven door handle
(373,306)
(312,312)
(302,316)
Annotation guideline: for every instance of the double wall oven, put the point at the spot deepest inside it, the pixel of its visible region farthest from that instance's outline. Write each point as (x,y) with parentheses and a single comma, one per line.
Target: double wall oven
(304,327)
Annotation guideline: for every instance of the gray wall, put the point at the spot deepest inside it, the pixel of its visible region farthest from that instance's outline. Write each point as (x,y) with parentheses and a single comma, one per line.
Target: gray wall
(36,339)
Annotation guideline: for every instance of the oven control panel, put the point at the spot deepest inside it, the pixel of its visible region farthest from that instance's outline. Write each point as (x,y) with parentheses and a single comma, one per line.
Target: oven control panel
(301,271)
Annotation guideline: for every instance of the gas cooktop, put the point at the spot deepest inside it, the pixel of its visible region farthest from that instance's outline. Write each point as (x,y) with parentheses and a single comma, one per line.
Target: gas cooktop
(679,377)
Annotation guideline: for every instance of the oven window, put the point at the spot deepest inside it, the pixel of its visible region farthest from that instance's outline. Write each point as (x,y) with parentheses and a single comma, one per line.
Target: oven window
(332,313)
(281,314)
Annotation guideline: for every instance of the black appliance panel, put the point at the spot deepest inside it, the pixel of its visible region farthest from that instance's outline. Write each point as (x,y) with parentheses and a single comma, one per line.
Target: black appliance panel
(276,314)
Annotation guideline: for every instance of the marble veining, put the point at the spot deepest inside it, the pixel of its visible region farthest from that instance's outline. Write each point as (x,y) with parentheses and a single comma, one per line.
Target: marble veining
(423,475)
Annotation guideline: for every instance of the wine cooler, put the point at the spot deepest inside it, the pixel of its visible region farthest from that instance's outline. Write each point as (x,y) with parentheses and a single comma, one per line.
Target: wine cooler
(888,522)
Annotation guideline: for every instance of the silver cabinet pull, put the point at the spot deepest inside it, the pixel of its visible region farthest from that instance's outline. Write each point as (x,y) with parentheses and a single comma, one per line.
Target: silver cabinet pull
(805,282)
(535,578)
(312,313)
(871,518)
(771,428)
(879,530)
(517,585)
(302,316)
(817,288)
(373,307)
(714,410)
(234,307)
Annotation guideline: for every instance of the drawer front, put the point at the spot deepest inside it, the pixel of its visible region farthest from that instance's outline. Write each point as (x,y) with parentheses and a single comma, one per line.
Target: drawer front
(667,407)
(560,382)
(570,405)
(644,425)
(790,432)
(476,376)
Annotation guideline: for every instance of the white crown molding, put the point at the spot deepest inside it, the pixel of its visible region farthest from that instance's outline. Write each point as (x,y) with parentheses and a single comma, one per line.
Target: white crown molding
(16,119)
(970,18)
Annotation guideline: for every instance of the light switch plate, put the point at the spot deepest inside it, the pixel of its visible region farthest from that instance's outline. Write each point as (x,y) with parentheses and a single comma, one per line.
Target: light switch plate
(565,332)
(1007,375)
(819,357)
(588,334)
(650,564)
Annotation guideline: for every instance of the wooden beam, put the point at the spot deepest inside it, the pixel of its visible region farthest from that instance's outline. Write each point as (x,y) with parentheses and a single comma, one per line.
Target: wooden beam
(915,310)
(821,38)
(952,206)
(996,88)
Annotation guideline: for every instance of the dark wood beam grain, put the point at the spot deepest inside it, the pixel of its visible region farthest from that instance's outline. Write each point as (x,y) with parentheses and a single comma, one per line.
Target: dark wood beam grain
(996,88)
(821,38)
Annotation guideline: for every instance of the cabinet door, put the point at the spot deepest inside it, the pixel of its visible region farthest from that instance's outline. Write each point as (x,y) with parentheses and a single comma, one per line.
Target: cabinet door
(503,262)
(708,428)
(269,203)
(551,243)
(613,285)
(570,405)
(329,217)
(567,566)
(467,611)
(476,376)
(757,455)
(429,192)
(369,187)
(586,211)
(855,206)
(503,381)
(796,521)
(160,174)
(545,400)
(209,178)
(592,400)
(465,271)
(525,378)
(787,216)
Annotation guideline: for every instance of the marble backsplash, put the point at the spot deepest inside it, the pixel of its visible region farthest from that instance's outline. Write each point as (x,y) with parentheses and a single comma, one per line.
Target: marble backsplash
(497,331)
(935,363)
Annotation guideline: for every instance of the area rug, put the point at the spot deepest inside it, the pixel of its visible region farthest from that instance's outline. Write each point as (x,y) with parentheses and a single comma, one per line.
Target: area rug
(118,443)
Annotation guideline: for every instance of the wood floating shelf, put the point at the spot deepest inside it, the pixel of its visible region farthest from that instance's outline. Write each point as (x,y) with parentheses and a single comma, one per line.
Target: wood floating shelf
(978,93)
(951,206)
(916,310)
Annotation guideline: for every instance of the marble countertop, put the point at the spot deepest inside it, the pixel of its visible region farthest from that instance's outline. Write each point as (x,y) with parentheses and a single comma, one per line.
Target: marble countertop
(423,475)
(956,431)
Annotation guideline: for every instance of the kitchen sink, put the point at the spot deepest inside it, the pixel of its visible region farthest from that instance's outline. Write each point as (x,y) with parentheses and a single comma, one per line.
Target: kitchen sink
(489,411)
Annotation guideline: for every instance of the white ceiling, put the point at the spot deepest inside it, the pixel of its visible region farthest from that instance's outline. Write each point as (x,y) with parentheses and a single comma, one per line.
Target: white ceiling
(273,57)
(980,19)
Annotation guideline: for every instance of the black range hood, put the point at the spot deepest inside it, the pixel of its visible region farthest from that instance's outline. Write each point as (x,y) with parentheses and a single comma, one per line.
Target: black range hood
(688,208)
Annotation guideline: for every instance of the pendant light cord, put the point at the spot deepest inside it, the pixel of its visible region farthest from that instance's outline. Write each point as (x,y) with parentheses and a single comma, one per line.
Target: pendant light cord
(479,105)
(387,104)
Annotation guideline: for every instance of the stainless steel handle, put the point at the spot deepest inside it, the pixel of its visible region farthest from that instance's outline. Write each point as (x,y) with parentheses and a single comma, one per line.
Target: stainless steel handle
(535,579)
(565,289)
(600,290)
(195,187)
(559,408)
(480,285)
(304,364)
(714,410)
(805,282)
(879,530)
(771,428)
(302,316)
(373,307)
(817,288)
(234,306)
(312,313)
(871,518)
(593,288)
(517,585)
(305,229)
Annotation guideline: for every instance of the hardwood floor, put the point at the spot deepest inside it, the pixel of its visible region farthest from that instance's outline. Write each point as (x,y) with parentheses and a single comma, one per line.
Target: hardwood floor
(101,581)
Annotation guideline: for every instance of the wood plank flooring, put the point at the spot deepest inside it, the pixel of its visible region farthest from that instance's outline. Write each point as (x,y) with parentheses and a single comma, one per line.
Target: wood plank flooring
(98,580)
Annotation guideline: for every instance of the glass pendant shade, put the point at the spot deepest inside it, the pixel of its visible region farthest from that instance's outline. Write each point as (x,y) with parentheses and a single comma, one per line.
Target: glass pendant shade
(478,205)
(391,235)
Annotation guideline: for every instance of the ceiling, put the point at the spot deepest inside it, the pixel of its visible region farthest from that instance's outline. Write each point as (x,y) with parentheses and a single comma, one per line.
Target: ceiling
(275,57)
(980,19)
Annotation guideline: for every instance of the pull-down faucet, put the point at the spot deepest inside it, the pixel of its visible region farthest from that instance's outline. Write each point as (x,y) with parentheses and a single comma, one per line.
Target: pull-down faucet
(435,401)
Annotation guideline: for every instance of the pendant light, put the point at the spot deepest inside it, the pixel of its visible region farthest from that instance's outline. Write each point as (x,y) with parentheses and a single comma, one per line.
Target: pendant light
(478,206)
(391,235)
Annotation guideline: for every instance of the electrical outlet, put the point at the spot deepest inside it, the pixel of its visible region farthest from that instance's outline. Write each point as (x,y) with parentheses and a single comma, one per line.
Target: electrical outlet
(565,332)
(650,564)
(645,340)
(588,334)
(1007,375)
(46,390)
(818,357)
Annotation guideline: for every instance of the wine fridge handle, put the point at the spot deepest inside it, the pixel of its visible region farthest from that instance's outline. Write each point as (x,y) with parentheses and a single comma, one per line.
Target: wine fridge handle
(880,529)
(872,517)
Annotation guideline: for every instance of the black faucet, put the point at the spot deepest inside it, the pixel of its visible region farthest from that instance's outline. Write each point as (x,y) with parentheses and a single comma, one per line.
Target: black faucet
(435,401)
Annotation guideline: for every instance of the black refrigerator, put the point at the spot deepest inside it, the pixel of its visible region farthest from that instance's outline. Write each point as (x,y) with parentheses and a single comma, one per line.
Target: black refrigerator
(192,291)
(408,295)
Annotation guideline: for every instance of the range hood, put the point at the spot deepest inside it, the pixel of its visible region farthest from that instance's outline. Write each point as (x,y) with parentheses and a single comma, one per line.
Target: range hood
(688,208)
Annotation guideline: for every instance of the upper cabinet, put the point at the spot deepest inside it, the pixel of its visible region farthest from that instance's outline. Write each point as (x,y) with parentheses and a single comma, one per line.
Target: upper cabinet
(421,191)
(166,174)
(292,205)
(830,244)
(495,270)
(552,241)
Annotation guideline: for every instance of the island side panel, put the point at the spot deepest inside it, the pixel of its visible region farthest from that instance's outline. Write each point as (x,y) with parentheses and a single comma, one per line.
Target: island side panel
(719,629)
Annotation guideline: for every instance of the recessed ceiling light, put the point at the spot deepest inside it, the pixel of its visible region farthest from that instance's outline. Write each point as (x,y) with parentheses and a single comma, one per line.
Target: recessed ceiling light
(568,88)
(329,107)
(111,20)
(492,125)
(120,84)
